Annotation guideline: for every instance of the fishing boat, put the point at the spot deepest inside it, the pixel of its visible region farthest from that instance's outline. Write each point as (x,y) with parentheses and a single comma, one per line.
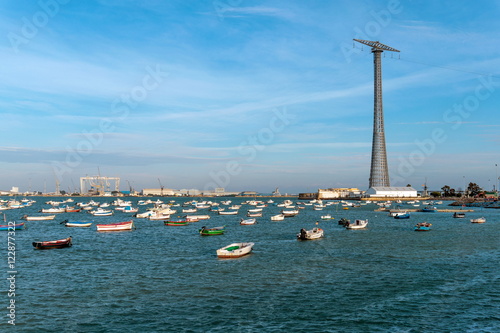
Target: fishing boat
(429,209)
(190,210)
(314,233)
(459,215)
(478,220)
(176,222)
(120,226)
(248,221)
(401,216)
(212,231)
(81,224)
(279,217)
(72,210)
(12,226)
(422,226)
(358,224)
(343,221)
(57,244)
(235,250)
(39,218)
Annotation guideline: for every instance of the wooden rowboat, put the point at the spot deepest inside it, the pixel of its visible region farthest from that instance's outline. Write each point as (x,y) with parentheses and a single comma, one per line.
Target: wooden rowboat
(39,218)
(10,227)
(176,223)
(235,250)
(212,231)
(121,226)
(57,244)
(83,224)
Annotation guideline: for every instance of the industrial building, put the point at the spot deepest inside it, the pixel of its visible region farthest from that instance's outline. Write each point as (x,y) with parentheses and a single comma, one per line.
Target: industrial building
(391,192)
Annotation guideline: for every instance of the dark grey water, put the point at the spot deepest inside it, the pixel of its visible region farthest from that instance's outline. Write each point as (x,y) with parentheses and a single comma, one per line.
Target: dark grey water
(386,278)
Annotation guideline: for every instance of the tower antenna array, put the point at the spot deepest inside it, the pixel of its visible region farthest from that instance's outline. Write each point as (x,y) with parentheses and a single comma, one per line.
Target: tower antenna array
(379,171)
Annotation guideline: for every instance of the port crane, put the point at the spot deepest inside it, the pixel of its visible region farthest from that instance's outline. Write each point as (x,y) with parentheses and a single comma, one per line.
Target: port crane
(161,187)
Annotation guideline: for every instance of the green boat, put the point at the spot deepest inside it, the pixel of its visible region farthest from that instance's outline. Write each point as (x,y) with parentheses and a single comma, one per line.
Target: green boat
(212,231)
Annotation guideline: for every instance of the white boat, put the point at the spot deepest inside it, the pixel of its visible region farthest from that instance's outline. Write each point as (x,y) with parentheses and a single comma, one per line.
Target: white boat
(229,212)
(159,217)
(279,217)
(254,214)
(478,220)
(248,221)
(78,224)
(116,226)
(145,214)
(314,233)
(197,217)
(358,224)
(235,250)
(39,218)
(189,210)
(255,210)
(326,217)
(101,212)
(53,210)
(289,213)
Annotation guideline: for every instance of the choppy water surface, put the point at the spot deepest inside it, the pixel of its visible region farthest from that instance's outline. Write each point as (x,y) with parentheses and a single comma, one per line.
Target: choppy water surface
(386,278)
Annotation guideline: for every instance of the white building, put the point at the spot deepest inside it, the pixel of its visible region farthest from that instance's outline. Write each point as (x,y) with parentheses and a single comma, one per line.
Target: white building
(391,192)
(337,193)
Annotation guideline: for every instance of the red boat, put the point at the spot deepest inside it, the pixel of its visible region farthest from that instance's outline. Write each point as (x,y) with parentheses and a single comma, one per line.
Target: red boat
(57,244)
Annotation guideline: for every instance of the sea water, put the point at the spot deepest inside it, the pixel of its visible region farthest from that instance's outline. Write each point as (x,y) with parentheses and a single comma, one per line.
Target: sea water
(385,278)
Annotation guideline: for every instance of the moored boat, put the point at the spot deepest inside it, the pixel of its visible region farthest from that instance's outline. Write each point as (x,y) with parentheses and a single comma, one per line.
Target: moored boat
(229,212)
(12,226)
(204,231)
(248,221)
(57,244)
(235,250)
(326,217)
(358,224)
(422,226)
(429,209)
(400,216)
(279,217)
(176,222)
(478,220)
(120,226)
(289,213)
(81,224)
(314,233)
(101,212)
(39,218)
(459,215)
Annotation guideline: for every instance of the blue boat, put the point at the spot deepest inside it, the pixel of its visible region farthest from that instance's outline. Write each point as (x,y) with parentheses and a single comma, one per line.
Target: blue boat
(402,216)
(429,209)
(10,227)
(423,226)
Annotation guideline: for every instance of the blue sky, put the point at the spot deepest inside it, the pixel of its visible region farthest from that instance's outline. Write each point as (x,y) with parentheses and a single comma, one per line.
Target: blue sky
(246,95)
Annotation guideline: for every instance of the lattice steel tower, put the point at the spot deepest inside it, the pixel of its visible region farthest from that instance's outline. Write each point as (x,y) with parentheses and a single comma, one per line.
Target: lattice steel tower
(379,172)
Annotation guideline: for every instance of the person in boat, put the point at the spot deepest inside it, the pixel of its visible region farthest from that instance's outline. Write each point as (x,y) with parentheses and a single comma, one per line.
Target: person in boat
(303,232)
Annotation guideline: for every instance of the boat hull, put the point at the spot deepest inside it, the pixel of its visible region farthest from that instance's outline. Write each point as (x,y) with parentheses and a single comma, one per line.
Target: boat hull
(57,244)
(17,226)
(122,226)
(235,250)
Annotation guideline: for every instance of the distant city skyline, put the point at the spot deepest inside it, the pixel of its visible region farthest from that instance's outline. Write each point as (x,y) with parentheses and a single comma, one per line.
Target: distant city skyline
(246,95)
